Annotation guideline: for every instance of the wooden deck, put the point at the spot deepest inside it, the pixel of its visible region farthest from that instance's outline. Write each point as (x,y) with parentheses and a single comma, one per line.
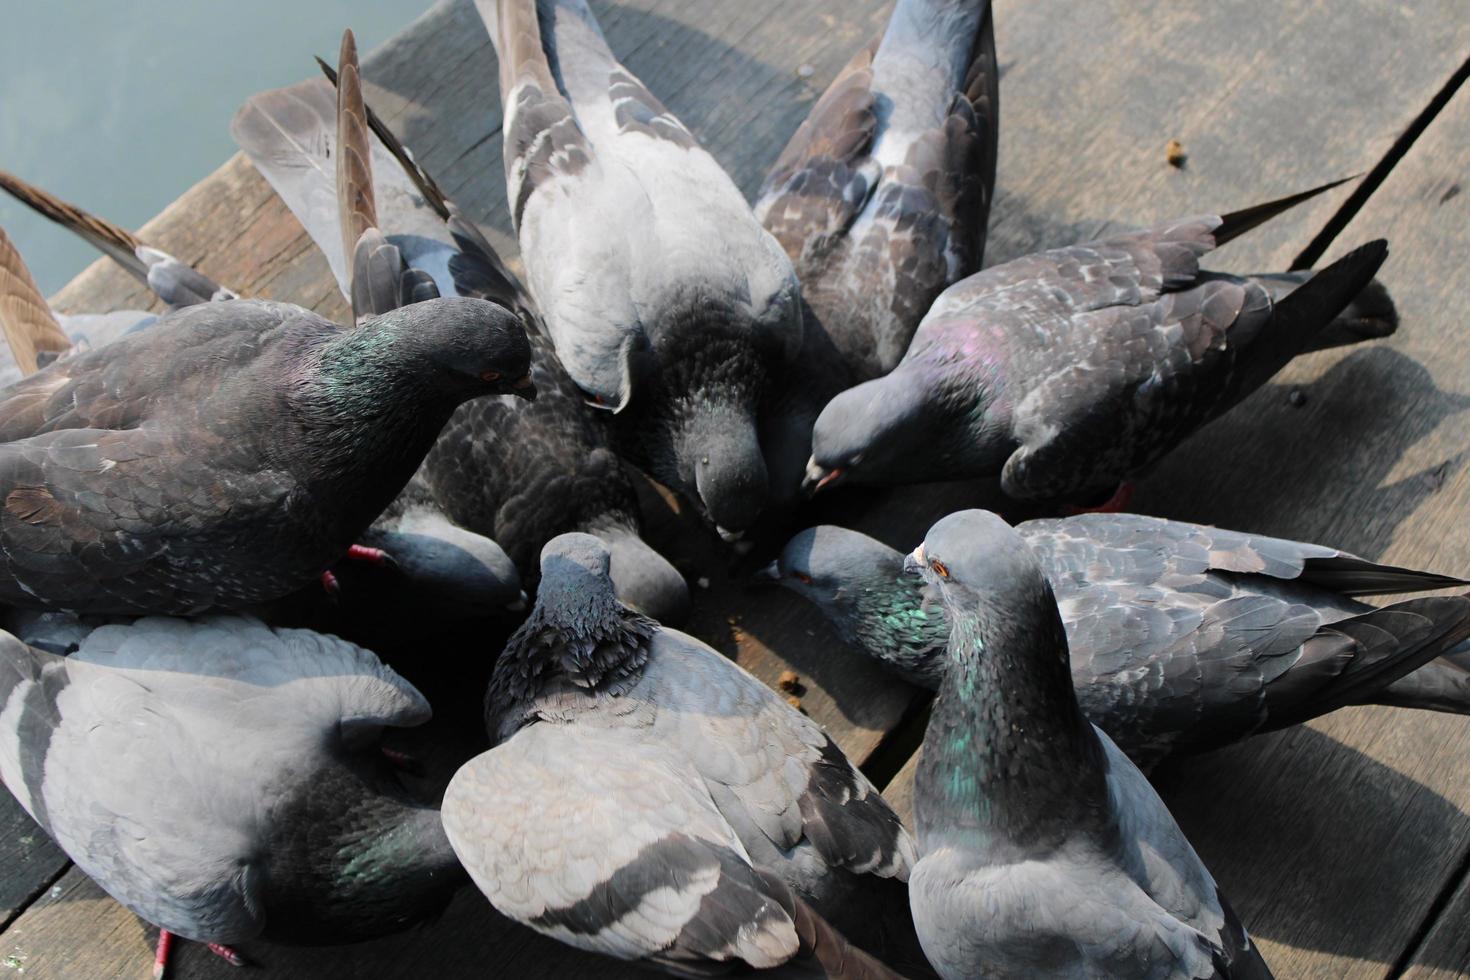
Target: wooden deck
(1345,843)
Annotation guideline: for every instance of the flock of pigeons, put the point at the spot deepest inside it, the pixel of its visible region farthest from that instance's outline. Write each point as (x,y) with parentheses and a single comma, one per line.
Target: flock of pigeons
(177,488)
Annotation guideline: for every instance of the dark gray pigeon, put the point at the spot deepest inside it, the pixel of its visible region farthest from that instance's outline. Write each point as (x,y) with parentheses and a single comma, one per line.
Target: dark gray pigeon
(431,570)
(1183,637)
(882,196)
(648,799)
(225,781)
(1043,850)
(881,200)
(515,471)
(666,300)
(1067,371)
(231,452)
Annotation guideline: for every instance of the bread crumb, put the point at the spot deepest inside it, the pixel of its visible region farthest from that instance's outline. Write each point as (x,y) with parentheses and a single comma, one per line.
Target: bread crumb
(1174,153)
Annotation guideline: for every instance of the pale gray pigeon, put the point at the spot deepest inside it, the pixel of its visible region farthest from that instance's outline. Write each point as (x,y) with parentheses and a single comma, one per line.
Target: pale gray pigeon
(666,300)
(225,780)
(647,799)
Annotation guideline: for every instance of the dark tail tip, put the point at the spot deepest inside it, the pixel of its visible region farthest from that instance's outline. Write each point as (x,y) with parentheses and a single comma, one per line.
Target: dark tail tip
(1371,315)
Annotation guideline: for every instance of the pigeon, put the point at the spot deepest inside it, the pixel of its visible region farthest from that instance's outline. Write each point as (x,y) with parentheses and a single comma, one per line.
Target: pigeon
(433,570)
(883,194)
(881,200)
(667,301)
(1044,852)
(646,798)
(231,452)
(225,780)
(514,471)
(1183,637)
(1066,371)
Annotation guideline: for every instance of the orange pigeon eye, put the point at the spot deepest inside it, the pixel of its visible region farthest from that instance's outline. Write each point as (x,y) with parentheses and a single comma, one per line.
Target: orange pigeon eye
(939,568)
(803,578)
(490,376)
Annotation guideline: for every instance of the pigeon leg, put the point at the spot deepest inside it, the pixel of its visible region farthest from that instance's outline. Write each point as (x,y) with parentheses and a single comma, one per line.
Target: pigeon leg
(373,556)
(160,958)
(330,583)
(1116,504)
(226,953)
(166,945)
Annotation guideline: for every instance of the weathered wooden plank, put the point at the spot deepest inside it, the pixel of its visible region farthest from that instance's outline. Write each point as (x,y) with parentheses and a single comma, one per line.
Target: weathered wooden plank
(1409,404)
(75,931)
(28,858)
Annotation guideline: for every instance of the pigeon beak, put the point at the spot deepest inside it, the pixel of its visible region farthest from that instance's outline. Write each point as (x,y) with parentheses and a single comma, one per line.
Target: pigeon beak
(519,605)
(728,536)
(766,574)
(818,476)
(524,387)
(913,563)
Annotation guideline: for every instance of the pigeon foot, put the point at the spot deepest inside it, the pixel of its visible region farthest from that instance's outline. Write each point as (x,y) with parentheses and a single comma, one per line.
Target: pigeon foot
(1116,504)
(166,946)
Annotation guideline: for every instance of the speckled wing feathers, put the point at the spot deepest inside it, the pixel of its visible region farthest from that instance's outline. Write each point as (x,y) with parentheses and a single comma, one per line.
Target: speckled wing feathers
(611,847)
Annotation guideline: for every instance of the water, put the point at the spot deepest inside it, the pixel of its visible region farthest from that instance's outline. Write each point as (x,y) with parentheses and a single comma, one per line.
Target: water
(120,108)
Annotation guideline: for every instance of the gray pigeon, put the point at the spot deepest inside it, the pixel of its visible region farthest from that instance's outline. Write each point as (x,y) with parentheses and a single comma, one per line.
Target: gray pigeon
(882,196)
(1183,637)
(666,300)
(517,472)
(1044,852)
(225,781)
(1067,371)
(647,799)
(459,571)
(881,200)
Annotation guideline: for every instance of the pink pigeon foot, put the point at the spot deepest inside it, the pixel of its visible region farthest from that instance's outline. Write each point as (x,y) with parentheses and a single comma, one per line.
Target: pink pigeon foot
(166,946)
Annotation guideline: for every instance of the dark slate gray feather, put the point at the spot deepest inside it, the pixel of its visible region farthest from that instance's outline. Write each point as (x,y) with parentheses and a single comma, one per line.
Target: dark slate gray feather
(516,472)
(297,832)
(617,209)
(1066,371)
(712,776)
(1183,637)
(1044,851)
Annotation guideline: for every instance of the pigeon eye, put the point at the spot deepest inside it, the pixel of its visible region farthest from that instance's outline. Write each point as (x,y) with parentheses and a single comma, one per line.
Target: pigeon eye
(490,376)
(803,578)
(939,568)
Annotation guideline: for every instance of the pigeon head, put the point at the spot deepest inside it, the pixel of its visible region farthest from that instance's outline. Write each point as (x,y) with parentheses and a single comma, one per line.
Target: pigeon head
(828,565)
(578,633)
(861,586)
(941,415)
(728,470)
(981,566)
(877,432)
(473,347)
(446,570)
(692,426)
(576,587)
(644,579)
